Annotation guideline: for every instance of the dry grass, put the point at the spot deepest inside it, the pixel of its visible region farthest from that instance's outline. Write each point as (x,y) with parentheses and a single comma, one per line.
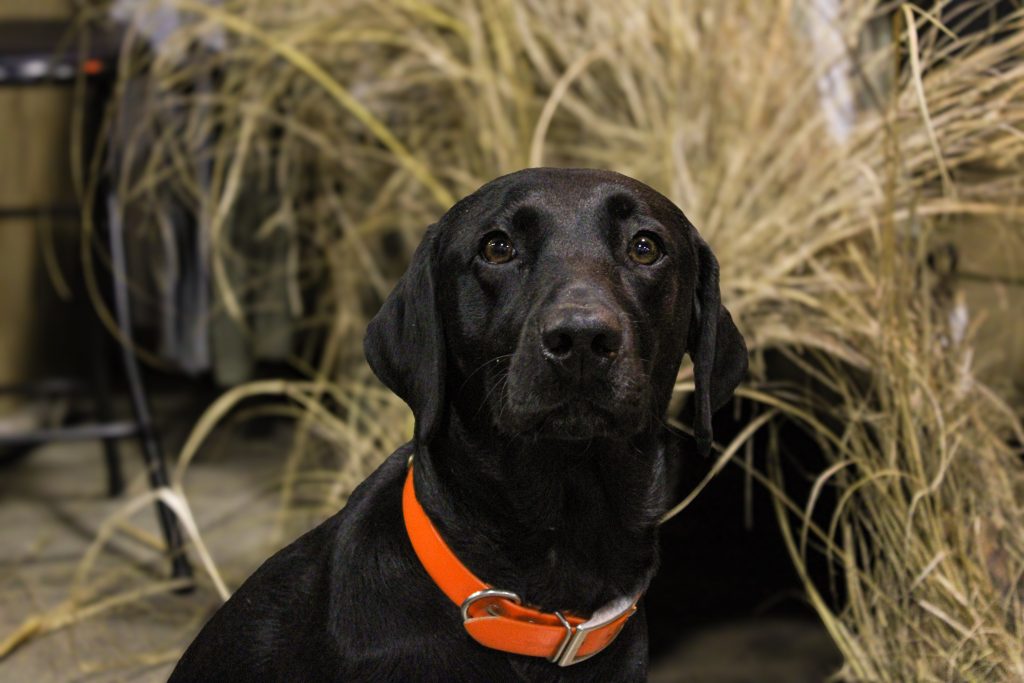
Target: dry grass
(365,119)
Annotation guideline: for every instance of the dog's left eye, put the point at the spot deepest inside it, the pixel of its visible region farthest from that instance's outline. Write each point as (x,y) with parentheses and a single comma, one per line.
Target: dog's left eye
(497,248)
(644,249)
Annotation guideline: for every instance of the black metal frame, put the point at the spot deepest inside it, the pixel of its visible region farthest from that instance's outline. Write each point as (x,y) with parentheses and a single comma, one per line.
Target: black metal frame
(23,46)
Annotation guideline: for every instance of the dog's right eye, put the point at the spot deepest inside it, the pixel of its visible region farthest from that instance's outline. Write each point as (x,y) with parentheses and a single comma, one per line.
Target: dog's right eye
(497,248)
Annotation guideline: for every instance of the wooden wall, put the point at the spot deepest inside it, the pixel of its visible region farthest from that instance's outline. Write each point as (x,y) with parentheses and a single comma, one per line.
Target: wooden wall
(33,171)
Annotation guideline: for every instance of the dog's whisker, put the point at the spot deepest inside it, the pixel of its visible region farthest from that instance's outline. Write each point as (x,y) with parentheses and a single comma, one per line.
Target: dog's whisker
(498,386)
(496,359)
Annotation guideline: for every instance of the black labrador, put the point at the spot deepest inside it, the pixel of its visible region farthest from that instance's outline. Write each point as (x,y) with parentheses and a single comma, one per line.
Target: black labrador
(536,336)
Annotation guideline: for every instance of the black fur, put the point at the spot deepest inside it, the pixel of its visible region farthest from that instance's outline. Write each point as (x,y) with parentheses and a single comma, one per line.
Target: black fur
(544,469)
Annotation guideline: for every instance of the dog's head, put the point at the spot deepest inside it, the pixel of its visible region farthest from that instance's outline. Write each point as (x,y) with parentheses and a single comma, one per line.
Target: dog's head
(558,303)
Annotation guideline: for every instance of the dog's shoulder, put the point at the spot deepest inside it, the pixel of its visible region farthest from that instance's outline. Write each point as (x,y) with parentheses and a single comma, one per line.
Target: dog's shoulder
(297,600)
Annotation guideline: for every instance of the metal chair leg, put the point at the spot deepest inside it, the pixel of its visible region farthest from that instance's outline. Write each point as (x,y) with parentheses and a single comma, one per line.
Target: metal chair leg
(151,449)
(104,410)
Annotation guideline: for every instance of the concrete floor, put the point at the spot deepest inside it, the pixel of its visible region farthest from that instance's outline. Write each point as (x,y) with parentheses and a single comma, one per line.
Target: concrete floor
(53,505)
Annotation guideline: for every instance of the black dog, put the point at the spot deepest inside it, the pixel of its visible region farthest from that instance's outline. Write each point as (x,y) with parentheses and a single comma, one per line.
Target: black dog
(536,335)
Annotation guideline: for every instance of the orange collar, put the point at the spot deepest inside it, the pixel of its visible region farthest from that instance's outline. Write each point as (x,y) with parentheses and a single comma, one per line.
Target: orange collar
(497,618)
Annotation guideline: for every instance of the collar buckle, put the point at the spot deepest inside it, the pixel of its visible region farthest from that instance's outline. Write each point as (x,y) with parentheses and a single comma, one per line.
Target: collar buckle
(565,655)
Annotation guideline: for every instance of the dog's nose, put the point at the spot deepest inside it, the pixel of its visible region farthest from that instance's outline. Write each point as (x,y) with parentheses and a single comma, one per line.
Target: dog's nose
(577,338)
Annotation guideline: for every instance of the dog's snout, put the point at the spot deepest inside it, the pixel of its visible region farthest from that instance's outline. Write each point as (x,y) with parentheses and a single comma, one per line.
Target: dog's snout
(576,337)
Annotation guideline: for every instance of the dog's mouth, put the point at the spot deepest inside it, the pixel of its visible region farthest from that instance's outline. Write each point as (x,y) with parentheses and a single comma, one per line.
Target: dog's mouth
(537,397)
(569,420)
(578,420)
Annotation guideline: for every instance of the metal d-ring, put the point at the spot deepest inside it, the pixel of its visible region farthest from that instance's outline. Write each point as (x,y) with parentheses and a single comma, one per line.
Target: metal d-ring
(487,593)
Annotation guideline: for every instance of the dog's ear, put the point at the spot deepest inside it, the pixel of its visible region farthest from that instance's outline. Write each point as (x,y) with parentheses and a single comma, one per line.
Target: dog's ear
(715,345)
(404,342)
